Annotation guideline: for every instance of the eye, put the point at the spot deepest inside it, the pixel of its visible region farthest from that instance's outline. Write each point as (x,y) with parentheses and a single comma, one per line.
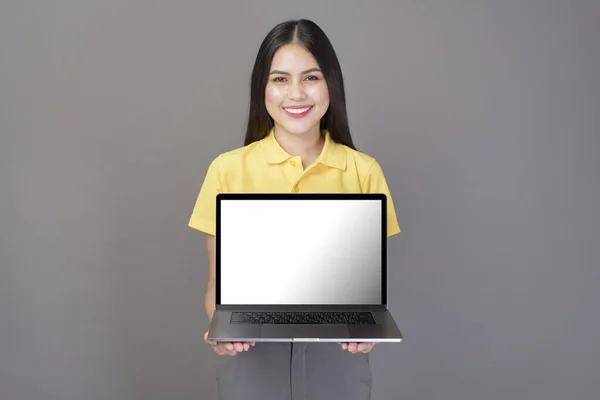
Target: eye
(312,78)
(279,79)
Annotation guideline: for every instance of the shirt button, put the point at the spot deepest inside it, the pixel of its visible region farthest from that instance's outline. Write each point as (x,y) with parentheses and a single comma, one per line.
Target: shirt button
(296,188)
(292,163)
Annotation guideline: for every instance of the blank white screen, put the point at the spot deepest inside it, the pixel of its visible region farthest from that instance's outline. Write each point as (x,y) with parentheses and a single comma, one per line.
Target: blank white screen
(301,252)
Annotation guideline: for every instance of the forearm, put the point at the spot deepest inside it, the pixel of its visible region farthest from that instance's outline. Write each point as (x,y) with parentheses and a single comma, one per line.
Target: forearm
(209,303)
(209,297)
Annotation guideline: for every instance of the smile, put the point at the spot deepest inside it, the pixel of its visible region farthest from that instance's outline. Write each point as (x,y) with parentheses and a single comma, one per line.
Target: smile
(297,112)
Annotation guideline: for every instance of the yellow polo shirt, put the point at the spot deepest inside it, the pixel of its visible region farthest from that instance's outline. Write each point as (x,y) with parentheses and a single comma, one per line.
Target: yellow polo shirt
(264,166)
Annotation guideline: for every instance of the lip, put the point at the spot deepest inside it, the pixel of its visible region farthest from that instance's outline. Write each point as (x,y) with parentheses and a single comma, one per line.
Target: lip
(294,115)
(297,107)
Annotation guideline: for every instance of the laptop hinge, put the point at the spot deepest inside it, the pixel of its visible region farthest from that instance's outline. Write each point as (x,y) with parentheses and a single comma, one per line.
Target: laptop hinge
(307,307)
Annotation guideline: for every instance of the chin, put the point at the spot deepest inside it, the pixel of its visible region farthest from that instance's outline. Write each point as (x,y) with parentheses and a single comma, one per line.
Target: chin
(296,130)
(300,128)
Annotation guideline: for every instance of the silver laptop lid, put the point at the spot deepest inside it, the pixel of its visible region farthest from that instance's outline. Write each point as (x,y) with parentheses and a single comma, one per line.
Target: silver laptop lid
(301,249)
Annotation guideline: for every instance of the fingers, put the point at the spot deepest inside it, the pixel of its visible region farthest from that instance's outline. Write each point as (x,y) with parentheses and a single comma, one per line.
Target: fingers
(364,347)
(223,350)
(228,348)
(238,347)
(351,347)
(356,348)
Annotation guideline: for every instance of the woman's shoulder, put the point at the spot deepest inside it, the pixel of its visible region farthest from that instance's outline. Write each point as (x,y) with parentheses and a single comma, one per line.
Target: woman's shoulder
(362,157)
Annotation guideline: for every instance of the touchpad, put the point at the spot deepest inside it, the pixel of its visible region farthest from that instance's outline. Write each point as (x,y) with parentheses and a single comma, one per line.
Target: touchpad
(305,331)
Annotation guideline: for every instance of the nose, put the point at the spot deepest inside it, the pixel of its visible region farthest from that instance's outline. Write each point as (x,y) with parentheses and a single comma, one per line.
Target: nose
(296,91)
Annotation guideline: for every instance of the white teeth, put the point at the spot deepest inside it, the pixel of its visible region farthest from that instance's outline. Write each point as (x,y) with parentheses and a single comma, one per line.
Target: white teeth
(296,110)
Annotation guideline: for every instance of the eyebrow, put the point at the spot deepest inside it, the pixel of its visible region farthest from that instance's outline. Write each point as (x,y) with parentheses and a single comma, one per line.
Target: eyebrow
(287,73)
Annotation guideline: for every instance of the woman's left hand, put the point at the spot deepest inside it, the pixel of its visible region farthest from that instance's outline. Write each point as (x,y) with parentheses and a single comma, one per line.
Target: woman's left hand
(354,348)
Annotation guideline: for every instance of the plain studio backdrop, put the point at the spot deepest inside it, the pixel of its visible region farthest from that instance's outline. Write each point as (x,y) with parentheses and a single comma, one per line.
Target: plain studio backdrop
(485,116)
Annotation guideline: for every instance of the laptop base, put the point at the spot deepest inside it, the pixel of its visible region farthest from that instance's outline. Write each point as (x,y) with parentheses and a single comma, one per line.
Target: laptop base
(384,330)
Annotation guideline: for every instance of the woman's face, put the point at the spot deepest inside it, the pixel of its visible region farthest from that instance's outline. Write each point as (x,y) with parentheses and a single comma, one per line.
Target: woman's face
(296,95)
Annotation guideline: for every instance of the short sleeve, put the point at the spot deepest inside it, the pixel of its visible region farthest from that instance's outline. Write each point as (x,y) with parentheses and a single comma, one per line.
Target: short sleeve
(375,182)
(204,212)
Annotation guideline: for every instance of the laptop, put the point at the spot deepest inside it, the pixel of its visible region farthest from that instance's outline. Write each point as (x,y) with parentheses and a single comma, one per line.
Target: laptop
(301,267)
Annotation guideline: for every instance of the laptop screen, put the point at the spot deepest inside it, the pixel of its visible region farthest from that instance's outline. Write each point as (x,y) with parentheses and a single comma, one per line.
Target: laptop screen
(301,252)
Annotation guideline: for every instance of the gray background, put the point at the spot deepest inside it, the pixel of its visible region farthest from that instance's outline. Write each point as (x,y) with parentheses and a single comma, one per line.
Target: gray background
(483,114)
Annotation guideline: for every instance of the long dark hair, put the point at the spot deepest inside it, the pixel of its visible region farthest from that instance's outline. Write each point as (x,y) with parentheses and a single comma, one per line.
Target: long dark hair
(307,34)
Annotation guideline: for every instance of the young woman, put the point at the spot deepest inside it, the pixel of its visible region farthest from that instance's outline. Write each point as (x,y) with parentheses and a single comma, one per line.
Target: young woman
(297,140)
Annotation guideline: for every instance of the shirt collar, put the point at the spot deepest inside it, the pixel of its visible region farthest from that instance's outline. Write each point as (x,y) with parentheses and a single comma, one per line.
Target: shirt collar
(332,154)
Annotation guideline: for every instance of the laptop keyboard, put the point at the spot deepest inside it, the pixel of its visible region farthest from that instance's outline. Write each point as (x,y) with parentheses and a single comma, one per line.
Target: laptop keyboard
(312,317)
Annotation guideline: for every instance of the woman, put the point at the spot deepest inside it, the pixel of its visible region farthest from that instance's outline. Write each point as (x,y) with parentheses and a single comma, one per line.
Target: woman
(297,140)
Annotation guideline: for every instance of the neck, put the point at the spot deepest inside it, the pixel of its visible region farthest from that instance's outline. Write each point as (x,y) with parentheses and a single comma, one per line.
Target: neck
(306,145)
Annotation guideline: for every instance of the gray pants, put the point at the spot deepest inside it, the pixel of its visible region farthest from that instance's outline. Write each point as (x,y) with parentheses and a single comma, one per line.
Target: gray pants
(299,371)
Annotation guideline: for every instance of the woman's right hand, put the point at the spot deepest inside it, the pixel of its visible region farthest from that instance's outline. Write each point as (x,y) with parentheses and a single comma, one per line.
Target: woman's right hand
(227,348)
